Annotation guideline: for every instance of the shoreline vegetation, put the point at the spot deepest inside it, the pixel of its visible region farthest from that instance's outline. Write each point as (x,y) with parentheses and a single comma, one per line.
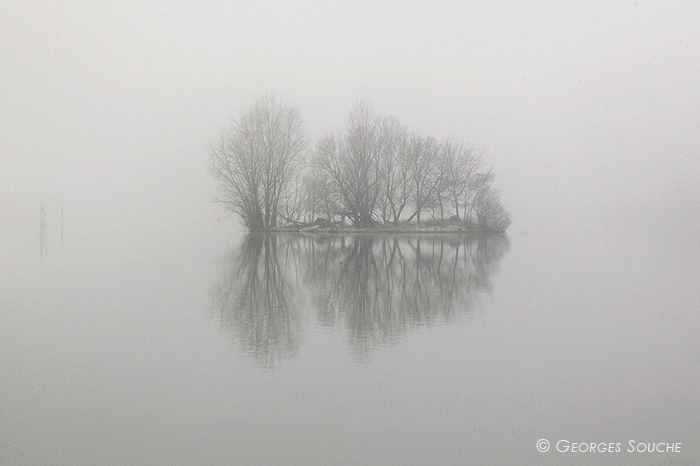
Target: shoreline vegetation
(376,177)
(447,230)
(322,226)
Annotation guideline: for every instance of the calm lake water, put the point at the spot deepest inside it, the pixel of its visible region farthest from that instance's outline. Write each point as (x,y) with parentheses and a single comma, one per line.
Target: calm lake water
(221,348)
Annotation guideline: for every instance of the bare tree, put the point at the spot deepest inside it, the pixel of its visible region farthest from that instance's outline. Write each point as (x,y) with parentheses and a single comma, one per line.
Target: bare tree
(426,174)
(328,171)
(256,159)
(490,214)
(395,170)
(442,177)
(462,177)
(480,182)
(318,196)
(352,166)
(292,206)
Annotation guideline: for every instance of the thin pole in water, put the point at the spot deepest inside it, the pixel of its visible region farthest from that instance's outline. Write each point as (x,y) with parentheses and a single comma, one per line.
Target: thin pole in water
(42,228)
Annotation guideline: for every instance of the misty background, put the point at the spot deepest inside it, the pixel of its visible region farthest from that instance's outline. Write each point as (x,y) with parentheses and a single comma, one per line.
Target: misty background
(588,109)
(111,348)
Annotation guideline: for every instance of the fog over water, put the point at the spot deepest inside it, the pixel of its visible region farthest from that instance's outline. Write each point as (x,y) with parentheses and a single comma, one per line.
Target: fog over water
(132,333)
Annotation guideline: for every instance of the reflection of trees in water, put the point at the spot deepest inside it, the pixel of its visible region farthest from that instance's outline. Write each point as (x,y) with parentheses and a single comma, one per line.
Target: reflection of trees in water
(378,287)
(255,300)
(381,286)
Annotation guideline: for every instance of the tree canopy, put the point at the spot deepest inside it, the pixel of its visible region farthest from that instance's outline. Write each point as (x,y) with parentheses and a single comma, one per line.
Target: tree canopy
(377,172)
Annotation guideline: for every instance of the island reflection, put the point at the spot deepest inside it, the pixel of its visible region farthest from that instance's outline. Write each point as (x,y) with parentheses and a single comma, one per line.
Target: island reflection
(377,287)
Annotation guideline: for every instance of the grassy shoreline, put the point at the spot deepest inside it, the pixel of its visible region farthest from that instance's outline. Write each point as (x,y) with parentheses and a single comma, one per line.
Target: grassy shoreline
(416,228)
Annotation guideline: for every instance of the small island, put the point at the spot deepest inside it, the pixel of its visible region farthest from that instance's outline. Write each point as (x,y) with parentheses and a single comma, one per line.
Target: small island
(377,177)
(325,226)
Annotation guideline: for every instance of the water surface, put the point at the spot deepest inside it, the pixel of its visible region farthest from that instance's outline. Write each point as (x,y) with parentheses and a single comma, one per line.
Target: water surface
(210,347)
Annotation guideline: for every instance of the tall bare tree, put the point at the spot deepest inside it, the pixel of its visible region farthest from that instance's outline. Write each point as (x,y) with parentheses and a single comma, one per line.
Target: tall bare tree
(256,159)
(395,170)
(352,166)
(426,174)
(462,177)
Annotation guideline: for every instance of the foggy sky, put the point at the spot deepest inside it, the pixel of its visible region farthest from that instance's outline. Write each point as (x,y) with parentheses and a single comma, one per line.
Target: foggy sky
(109,108)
